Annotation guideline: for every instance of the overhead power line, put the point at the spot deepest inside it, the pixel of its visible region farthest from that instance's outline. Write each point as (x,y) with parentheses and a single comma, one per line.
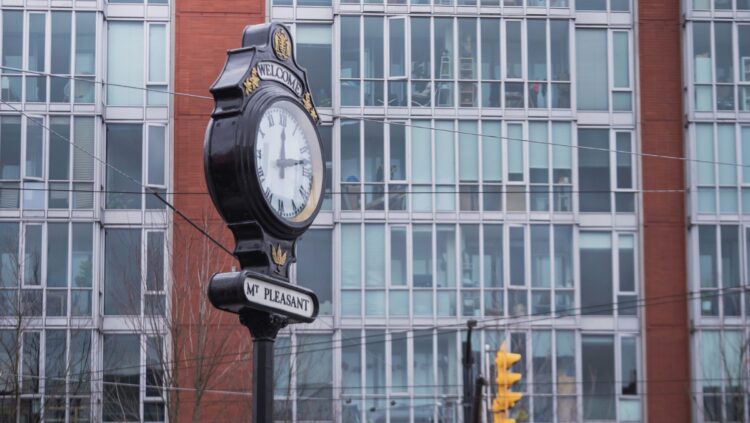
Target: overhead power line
(491,323)
(125,175)
(388,122)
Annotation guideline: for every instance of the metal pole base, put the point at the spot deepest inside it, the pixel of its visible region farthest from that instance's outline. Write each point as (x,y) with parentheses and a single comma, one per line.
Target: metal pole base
(263,327)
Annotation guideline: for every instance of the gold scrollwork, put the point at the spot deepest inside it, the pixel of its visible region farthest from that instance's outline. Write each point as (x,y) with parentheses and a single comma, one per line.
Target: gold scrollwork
(307,102)
(278,255)
(252,82)
(281,45)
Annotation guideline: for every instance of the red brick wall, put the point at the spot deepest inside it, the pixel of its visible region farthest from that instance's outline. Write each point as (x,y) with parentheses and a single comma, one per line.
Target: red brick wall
(204,30)
(666,325)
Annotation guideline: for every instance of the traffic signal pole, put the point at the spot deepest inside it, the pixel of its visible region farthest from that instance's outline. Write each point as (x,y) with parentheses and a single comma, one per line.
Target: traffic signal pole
(468,365)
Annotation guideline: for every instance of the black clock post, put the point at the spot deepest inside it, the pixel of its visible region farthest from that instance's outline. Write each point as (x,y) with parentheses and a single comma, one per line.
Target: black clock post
(264,170)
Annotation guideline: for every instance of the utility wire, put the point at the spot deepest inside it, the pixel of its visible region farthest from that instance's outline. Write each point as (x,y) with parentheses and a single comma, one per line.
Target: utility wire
(306,387)
(125,175)
(492,323)
(563,191)
(386,122)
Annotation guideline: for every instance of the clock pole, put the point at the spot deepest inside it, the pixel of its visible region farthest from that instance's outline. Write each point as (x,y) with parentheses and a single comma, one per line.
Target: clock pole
(261,76)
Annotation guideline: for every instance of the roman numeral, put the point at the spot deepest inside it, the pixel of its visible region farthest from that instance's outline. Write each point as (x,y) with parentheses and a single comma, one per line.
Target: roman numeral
(281,206)
(306,172)
(259,154)
(261,174)
(270,120)
(268,194)
(304,149)
(303,192)
(294,207)
(282,120)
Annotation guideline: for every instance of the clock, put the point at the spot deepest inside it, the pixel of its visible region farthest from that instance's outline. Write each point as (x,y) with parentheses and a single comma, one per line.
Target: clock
(288,161)
(263,157)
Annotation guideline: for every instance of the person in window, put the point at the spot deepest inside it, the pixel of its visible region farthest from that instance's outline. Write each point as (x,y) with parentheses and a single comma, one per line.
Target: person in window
(351,193)
(421,94)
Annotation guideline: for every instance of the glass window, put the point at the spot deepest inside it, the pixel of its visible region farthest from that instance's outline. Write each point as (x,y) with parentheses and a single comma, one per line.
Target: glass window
(157,53)
(34,148)
(448,362)
(10,160)
(125,63)
(596,5)
(60,56)
(375,269)
(54,367)
(562,173)
(399,362)
(32,257)
(566,375)
(621,96)
(537,50)
(629,366)
(350,56)
(560,63)
(593,170)
(315,384)
(591,65)
(373,55)
(351,362)
(57,255)
(596,282)
(515,153)
(122,272)
(723,48)
(36,86)
(314,54)
(375,359)
(59,149)
(491,51)
(9,259)
(598,359)
(124,152)
(540,256)
(314,266)
(422,255)
(374,162)
(421,168)
(711,365)
(398,256)
(81,265)
(85,57)
(31,344)
(154,272)
(350,165)
(517,254)
(513,50)
(121,368)
(423,362)
(702,66)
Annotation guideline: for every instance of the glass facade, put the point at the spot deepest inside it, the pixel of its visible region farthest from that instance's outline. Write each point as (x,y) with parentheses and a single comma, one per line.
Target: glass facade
(481,168)
(717,41)
(82,245)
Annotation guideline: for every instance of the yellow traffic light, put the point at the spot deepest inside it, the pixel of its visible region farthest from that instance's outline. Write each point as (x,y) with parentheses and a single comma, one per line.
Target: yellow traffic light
(505,399)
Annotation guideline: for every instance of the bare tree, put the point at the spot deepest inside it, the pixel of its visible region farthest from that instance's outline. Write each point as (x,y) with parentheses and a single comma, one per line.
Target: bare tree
(17,309)
(193,350)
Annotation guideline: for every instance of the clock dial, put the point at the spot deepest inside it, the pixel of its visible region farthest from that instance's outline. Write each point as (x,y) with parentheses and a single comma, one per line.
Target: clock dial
(285,156)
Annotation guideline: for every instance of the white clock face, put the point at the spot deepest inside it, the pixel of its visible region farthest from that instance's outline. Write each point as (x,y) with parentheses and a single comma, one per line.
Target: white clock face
(288,161)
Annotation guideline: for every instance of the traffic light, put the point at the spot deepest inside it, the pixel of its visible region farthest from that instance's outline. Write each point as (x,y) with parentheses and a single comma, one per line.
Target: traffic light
(505,399)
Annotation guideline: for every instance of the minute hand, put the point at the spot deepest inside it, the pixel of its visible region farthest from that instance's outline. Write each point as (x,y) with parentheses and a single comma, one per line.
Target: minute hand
(283,163)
